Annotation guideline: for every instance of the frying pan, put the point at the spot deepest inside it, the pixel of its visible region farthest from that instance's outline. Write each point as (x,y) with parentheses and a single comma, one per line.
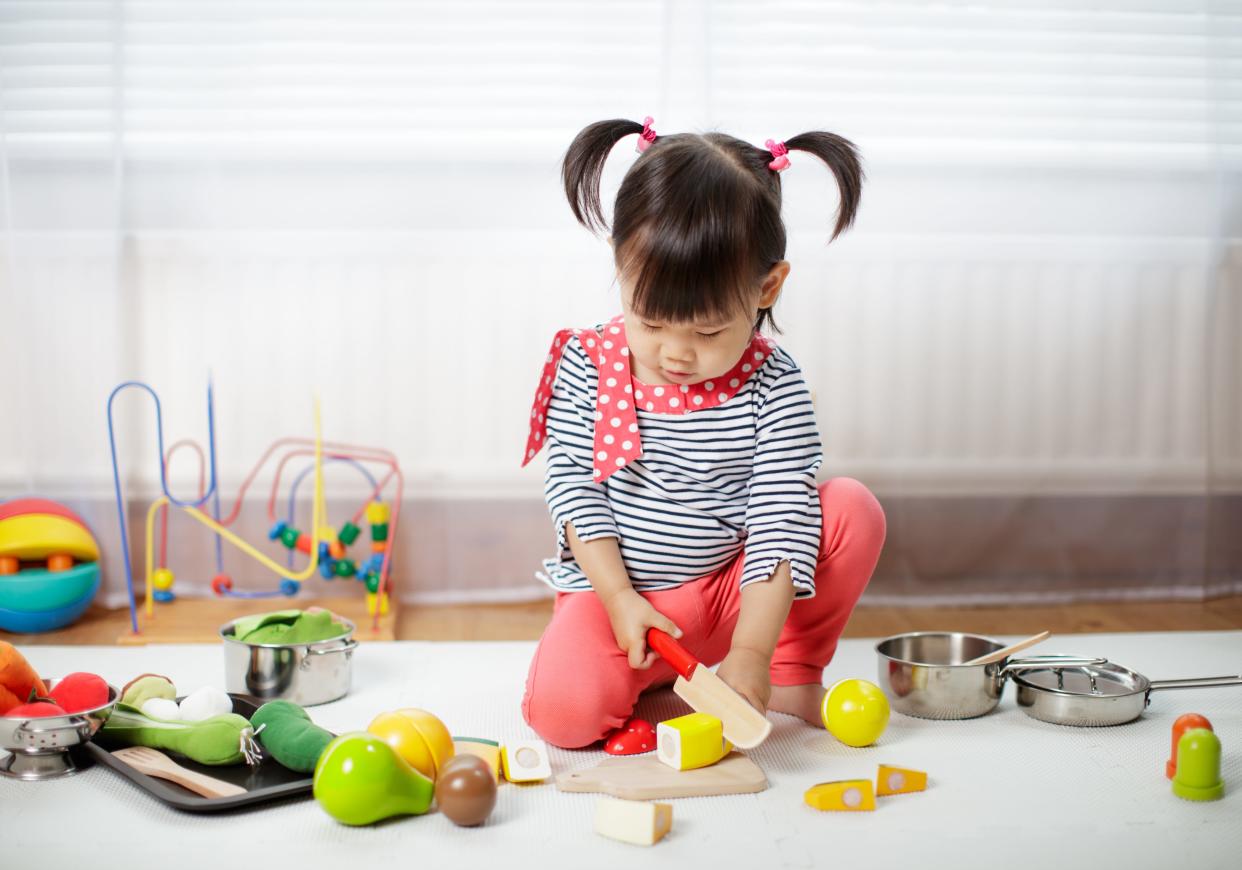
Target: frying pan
(1095,694)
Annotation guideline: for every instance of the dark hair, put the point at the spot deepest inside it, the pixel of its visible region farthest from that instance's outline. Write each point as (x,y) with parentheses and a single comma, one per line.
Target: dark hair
(698,215)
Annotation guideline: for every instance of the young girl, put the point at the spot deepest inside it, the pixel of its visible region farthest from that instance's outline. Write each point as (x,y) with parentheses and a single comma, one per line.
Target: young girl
(682,446)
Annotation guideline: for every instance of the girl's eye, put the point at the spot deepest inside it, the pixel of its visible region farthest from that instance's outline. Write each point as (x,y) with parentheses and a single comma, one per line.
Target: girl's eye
(649,327)
(710,335)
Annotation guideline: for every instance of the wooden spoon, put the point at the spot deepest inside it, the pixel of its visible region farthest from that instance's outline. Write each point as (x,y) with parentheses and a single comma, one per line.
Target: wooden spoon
(1010,650)
(152,762)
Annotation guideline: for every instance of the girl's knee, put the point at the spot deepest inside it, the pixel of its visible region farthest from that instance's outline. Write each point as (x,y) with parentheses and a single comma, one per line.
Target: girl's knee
(848,503)
(569,714)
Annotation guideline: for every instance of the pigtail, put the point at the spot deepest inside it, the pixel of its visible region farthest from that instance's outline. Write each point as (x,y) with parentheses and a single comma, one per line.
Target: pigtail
(841,155)
(584,164)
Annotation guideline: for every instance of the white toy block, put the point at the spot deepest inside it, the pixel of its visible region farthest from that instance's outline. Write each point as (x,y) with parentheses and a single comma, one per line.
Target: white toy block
(637,822)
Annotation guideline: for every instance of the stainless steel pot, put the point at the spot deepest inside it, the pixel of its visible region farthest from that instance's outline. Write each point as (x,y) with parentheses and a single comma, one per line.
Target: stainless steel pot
(306,674)
(38,748)
(1096,695)
(924,675)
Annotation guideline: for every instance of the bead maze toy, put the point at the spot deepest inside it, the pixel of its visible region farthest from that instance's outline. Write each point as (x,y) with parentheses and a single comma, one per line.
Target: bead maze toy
(326,549)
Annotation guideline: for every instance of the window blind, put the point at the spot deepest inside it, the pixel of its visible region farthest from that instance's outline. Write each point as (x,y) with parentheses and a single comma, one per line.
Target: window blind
(1153,81)
(1110,80)
(299,74)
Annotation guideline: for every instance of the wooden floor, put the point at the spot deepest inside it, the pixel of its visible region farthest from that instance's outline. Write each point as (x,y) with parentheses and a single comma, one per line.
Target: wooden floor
(526,621)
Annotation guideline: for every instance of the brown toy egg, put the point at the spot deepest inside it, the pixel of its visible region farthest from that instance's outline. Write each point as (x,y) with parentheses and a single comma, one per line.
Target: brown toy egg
(466,790)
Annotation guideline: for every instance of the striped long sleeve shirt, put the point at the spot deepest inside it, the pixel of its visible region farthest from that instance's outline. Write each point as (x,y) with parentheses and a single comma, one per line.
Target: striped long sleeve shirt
(739,476)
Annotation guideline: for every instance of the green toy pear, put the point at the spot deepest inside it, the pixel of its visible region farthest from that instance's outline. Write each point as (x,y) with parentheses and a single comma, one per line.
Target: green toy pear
(360,780)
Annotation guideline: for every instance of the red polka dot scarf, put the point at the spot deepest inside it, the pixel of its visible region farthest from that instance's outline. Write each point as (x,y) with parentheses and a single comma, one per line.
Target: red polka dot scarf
(620,394)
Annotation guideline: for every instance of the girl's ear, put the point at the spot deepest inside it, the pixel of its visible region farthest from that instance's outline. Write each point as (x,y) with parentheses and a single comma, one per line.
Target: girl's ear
(772,284)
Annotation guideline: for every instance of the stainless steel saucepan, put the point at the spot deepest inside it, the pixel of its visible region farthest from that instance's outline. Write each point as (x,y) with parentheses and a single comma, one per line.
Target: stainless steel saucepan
(924,673)
(1094,695)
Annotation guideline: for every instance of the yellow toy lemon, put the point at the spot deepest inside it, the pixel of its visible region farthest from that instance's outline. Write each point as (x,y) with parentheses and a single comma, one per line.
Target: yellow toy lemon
(855,712)
(417,736)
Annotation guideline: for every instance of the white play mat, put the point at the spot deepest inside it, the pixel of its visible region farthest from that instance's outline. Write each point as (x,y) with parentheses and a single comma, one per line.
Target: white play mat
(1005,791)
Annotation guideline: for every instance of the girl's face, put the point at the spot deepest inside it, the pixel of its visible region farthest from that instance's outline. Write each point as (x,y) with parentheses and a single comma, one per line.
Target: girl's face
(663,352)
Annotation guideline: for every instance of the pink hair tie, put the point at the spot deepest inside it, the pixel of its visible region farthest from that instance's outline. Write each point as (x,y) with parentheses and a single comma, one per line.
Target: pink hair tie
(647,136)
(780,162)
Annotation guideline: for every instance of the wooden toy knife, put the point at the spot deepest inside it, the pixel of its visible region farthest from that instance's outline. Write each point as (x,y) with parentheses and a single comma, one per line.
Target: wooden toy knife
(744,726)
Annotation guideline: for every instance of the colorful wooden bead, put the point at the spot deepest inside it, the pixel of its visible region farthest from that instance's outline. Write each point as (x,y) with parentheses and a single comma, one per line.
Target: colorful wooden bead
(327,569)
(373,581)
(383,603)
(303,543)
(336,550)
(9,565)
(162,578)
(289,587)
(221,583)
(348,534)
(276,531)
(289,537)
(379,531)
(379,547)
(377,513)
(344,568)
(59,562)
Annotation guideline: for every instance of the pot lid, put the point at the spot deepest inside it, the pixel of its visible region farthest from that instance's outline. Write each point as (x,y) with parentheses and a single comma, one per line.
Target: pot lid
(1103,680)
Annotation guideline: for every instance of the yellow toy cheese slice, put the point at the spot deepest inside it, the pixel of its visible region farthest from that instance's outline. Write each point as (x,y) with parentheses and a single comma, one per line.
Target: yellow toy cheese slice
(847,795)
(37,536)
(899,780)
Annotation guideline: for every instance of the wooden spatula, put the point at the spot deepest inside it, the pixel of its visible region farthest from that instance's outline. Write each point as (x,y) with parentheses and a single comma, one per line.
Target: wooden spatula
(1010,650)
(744,726)
(152,762)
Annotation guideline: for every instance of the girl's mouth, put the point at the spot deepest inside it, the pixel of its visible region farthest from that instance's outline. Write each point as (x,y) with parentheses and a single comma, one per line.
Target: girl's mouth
(676,375)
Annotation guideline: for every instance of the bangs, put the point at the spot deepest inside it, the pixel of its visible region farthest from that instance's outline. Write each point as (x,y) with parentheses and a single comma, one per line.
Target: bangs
(688,274)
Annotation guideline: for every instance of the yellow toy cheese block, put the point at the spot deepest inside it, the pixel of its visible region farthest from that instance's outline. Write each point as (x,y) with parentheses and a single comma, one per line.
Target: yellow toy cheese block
(488,750)
(637,822)
(37,536)
(525,761)
(692,741)
(899,780)
(846,795)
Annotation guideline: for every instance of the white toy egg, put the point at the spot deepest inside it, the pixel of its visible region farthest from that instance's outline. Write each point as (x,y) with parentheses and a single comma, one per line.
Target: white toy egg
(205,703)
(161,708)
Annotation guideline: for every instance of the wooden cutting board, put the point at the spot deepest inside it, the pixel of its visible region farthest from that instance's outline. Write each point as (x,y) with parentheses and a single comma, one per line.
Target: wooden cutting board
(649,778)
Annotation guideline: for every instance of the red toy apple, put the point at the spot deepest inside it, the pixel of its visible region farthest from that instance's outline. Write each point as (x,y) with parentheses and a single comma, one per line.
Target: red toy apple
(80,691)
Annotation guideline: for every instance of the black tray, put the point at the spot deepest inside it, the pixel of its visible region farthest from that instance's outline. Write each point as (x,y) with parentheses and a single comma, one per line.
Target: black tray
(268,782)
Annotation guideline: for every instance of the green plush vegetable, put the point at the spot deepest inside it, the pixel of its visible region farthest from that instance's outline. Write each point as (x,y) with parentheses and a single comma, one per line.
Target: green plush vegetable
(289,735)
(226,739)
(289,627)
(141,689)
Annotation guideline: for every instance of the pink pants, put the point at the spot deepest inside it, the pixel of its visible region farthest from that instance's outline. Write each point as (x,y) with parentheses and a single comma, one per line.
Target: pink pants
(581,686)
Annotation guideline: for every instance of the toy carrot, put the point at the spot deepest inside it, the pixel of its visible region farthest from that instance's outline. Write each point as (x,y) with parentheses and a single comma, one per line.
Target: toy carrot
(17,678)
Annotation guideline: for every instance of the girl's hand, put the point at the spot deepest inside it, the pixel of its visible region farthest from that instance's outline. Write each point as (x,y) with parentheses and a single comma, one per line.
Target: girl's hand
(631,615)
(747,673)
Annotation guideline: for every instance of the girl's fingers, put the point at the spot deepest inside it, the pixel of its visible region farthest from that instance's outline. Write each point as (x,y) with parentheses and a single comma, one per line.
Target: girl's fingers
(635,654)
(666,625)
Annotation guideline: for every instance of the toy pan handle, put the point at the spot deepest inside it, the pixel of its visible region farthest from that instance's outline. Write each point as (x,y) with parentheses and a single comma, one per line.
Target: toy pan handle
(672,652)
(1200,683)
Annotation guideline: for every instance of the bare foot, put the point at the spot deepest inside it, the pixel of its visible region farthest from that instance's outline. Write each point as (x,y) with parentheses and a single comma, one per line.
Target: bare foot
(801,701)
